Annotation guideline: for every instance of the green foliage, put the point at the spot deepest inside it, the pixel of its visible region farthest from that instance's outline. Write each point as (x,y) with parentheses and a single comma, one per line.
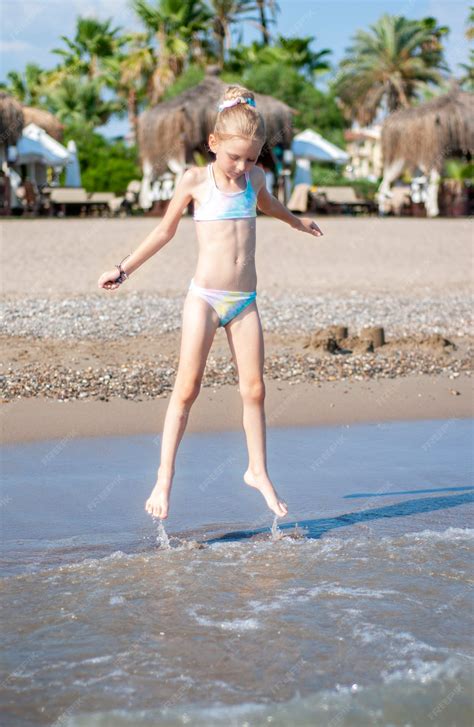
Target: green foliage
(467,79)
(390,63)
(365,188)
(292,52)
(228,14)
(78,101)
(316,110)
(326,176)
(180,25)
(93,40)
(189,78)
(174,17)
(128,73)
(106,166)
(470,24)
(461,171)
(25,86)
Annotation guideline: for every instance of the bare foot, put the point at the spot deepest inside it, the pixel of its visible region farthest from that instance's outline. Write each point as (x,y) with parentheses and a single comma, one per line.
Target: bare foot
(158,502)
(262,483)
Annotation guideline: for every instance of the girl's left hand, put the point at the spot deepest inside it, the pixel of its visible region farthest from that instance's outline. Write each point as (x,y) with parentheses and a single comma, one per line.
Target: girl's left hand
(309,225)
(108,280)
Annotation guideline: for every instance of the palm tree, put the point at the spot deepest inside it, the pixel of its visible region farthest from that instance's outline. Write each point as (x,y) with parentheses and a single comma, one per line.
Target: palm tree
(262,11)
(467,80)
(389,64)
(293,52)
(470,24)
(226,13)
(94,41)
(77,102)
(130,74)
(176,25)
(297,53)
(433,46)
(26,87)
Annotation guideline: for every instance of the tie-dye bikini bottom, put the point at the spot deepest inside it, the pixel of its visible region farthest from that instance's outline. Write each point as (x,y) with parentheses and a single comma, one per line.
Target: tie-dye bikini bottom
(226,303)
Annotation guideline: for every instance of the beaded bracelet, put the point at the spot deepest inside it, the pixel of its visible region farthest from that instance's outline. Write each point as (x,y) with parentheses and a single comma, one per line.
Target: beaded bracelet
(123,275)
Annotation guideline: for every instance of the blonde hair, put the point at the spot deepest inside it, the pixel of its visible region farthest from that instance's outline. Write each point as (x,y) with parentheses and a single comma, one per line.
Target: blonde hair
(242,119)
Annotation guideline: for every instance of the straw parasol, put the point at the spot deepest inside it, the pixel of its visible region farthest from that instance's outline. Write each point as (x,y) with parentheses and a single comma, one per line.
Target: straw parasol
(176,128)
(423,136)
(11,119)
(45,120)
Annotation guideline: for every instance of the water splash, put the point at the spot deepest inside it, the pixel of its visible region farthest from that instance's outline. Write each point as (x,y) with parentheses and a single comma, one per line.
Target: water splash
(162,538)
(276,532)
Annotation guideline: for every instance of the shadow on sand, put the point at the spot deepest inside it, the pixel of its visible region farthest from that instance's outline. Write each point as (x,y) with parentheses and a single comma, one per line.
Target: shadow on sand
(318,527)
(408,492)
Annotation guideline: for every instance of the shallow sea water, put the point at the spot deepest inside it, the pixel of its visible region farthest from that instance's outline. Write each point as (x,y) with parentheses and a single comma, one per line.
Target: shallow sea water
(356,609)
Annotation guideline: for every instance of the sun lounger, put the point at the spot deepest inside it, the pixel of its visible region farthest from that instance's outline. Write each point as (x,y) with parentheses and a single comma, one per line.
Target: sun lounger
(344,200)
(76,200)
(101,197)
(68,195)
(327,200)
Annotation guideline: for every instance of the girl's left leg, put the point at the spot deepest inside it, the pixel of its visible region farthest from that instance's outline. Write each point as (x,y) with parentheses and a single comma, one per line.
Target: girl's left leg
(245,337)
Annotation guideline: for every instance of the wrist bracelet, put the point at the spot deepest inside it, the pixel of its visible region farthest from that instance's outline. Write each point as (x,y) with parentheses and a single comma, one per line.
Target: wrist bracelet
(123,275)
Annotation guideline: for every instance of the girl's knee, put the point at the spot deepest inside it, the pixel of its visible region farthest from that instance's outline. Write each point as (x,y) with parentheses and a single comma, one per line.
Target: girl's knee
(186,393)
(253,391)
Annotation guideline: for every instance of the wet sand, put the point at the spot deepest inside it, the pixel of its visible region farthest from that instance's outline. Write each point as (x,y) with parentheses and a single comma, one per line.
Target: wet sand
(404,398)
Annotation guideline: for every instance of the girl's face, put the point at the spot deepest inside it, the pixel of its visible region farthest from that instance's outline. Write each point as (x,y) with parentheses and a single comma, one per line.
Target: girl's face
(235,156)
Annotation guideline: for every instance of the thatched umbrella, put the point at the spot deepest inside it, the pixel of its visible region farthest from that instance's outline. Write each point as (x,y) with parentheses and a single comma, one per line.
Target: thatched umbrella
(423,137)
(45,120)
(176,128)
(11,119)
(426,134)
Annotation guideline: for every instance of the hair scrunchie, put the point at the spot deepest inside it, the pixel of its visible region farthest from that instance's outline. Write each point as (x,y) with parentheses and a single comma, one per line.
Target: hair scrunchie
(234,101)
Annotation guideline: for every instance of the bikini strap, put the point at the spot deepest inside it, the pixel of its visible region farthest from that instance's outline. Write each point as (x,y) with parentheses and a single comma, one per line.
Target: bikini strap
(212,177)
(214,184)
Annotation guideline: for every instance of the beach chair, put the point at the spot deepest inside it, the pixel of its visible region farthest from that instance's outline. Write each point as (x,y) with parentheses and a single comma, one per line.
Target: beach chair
(343,200)
(101,203)
(76,200)
(72,200)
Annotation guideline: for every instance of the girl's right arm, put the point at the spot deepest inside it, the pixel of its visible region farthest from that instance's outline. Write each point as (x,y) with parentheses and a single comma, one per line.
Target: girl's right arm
(158,237)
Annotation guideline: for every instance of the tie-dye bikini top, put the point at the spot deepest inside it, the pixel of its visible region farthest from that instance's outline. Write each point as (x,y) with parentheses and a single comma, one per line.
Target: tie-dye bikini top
(227,205)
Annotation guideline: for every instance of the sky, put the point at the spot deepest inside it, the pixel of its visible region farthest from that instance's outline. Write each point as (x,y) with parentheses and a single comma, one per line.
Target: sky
(30,29)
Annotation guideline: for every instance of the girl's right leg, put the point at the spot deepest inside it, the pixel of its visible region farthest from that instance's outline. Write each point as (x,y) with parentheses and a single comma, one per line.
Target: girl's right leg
(199,324)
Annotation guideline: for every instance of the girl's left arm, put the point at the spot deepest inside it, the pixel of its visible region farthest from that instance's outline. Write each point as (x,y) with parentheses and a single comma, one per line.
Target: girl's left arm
(271,206)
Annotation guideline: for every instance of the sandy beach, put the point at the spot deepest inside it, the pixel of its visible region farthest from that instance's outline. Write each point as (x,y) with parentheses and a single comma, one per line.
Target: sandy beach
(58,257)
(313,571)
(76,359)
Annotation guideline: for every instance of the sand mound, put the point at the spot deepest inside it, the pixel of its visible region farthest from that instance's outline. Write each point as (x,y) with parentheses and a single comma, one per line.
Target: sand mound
(335,339)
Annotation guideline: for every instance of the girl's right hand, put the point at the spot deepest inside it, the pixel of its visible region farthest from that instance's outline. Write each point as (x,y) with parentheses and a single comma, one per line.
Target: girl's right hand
(107,280)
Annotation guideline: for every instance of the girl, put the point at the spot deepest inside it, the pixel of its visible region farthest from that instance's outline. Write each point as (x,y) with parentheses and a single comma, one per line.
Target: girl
(222,292)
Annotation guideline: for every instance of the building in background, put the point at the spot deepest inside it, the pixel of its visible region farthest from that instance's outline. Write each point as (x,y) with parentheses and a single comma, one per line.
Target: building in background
(365,152)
